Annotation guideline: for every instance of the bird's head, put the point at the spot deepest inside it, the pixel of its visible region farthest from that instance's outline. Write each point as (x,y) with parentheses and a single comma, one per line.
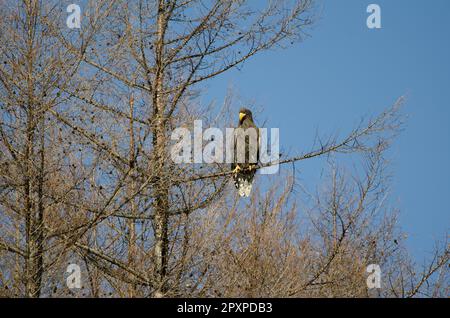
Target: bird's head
(244,113)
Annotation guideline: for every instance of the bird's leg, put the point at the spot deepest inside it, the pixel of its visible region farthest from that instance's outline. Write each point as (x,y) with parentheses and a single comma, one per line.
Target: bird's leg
(237,169)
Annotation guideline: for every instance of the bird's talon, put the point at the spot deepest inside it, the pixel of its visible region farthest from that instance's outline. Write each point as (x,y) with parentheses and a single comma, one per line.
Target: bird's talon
(237,170)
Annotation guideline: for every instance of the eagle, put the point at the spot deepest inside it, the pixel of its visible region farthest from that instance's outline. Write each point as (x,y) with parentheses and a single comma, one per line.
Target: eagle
(246,153)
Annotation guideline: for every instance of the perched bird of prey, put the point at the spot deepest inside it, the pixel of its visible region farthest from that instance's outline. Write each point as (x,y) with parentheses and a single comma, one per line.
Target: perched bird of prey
(246,153)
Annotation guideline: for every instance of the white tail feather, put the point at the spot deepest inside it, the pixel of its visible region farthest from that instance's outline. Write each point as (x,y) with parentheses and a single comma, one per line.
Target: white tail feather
(245,188)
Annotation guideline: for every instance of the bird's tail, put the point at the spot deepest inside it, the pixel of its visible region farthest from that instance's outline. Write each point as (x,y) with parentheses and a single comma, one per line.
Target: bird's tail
(244,186)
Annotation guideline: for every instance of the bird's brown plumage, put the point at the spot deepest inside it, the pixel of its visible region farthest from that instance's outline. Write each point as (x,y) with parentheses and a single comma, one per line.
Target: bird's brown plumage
(243,165)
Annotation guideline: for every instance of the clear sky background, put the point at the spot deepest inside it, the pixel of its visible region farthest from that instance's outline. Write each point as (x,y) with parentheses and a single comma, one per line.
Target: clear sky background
(345,71)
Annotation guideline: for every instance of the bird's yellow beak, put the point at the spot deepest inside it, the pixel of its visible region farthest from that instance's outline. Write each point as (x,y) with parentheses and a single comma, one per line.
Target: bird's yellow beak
(241,115)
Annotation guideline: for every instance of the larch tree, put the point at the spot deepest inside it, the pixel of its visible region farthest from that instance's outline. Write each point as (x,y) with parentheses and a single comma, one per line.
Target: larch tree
(87,177)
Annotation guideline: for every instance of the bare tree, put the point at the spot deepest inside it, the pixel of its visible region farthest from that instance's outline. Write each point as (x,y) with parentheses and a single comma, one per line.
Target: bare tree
(37,167)
(86,175)
(158,51)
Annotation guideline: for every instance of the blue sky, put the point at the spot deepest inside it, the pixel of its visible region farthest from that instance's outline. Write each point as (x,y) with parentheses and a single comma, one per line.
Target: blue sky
(345,71)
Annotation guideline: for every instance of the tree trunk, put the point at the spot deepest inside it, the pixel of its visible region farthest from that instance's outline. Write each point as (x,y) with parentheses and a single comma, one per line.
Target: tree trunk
(158,165)
(33,214)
